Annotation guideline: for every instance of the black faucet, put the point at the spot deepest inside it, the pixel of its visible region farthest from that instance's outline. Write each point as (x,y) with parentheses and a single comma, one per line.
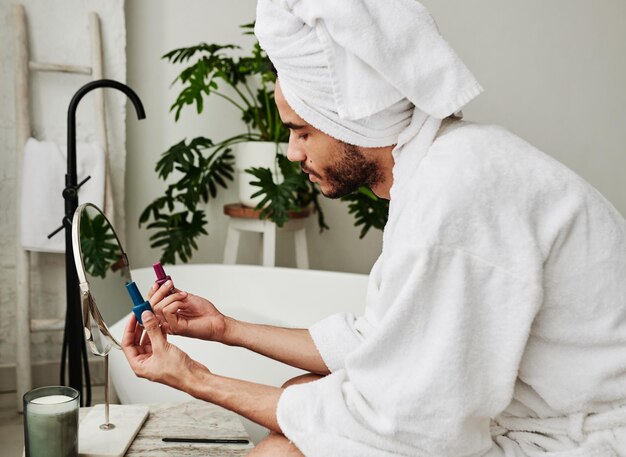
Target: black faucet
(73,337)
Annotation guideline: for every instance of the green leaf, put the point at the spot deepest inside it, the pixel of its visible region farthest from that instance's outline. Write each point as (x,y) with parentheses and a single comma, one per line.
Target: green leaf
(176,234)
(201,173)
(98,243)
(277,199)
(368,210)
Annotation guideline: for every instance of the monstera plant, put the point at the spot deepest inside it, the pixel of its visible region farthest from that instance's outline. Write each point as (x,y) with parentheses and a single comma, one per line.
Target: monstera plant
(195,170)
(98,244)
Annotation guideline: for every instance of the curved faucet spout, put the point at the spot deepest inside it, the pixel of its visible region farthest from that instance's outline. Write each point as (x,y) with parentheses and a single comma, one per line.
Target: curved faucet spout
(71,116)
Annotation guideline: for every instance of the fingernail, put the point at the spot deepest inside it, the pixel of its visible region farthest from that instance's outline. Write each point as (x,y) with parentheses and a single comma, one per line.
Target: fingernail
(168,282)
(146,316)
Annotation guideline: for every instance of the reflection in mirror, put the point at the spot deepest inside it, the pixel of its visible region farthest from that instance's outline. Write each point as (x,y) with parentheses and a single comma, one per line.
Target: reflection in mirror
(99,246)
(106,271)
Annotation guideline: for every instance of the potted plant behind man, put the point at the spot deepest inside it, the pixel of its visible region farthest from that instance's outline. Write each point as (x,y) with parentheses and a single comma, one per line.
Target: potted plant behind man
(268,181)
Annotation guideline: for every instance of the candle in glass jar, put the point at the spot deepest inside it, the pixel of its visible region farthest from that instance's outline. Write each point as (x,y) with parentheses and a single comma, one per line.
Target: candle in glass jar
(51,423)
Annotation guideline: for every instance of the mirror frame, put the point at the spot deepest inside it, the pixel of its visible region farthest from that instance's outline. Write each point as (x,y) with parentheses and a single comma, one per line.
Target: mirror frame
(88,301)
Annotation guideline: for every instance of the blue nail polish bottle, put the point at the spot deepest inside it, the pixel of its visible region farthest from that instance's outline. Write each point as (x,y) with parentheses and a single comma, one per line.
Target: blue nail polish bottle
(139,304)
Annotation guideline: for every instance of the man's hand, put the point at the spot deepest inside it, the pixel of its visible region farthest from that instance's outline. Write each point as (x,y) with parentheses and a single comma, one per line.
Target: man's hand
(151,356)
(182,313)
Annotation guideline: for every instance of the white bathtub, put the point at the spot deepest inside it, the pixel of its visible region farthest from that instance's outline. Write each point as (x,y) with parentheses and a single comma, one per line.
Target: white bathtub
(280,296)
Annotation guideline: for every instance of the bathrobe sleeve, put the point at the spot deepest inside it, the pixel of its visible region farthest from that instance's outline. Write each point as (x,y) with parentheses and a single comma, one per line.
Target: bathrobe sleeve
(339,334)
(335,337)
(441,362)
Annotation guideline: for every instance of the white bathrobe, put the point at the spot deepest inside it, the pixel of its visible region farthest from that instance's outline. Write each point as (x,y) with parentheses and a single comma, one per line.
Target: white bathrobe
(499,300)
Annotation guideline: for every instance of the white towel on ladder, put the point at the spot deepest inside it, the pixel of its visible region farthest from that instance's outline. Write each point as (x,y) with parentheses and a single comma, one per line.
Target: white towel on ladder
(43,181)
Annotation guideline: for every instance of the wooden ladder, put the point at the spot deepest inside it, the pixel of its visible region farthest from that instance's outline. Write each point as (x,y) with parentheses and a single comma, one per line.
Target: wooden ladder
(23,67)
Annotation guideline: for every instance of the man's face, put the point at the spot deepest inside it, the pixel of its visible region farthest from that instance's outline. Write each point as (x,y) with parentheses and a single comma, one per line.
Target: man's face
(339,168)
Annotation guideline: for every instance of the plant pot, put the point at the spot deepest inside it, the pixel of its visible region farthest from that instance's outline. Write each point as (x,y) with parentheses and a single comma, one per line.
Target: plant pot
(255,154)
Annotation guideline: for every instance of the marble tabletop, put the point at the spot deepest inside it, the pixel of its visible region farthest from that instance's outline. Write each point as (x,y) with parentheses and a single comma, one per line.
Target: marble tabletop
(193,419)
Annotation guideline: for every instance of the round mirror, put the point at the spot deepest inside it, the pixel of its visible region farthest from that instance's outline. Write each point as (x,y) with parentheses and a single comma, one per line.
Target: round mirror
(103,272)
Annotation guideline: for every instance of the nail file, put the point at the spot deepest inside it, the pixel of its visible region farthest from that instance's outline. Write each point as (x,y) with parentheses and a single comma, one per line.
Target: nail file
(139,304)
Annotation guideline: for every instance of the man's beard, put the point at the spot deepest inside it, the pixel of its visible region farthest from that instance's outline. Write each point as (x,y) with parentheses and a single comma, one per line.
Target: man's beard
(351,170)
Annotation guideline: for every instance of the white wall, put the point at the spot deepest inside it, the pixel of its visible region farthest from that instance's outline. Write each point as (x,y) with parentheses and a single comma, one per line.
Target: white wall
(554,72)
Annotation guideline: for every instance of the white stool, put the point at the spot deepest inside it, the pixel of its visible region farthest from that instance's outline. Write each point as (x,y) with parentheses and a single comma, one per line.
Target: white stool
(244,218)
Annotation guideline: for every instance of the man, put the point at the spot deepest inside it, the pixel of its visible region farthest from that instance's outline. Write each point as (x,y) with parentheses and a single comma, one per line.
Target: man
(495,318)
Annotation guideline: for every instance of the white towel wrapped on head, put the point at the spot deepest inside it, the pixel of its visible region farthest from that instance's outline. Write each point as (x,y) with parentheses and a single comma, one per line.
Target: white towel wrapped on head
(355,69)
(43,181)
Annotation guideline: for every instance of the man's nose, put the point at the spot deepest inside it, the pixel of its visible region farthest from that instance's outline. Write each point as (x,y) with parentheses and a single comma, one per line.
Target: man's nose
(294,151)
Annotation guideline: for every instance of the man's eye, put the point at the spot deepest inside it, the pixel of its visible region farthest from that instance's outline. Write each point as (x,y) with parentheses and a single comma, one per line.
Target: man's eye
(303,136)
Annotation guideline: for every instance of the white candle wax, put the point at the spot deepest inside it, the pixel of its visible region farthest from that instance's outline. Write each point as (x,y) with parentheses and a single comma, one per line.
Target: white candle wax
(51,399)
(52,423)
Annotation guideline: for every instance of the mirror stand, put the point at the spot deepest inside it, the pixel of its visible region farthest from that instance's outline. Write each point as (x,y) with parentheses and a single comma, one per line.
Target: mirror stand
(107,424)
(121,424)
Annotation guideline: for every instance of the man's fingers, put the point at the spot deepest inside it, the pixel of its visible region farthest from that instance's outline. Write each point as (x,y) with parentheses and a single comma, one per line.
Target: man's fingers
(161,293)
(151,326)
(130,348)
(166,303)
(128,338)
(157,306)
(170,313)
(158,299)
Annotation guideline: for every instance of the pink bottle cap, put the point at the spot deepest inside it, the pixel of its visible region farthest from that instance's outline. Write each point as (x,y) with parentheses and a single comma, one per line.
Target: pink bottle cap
(158,269)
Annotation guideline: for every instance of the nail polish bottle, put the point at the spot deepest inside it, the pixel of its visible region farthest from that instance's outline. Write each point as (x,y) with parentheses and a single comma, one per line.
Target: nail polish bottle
(139,304)
(160,274)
